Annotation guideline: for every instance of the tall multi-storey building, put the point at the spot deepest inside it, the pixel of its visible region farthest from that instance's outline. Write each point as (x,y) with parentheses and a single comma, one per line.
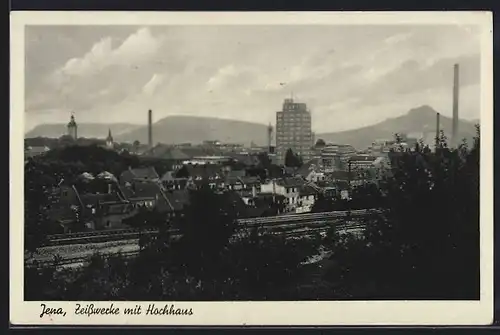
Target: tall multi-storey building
(293,130)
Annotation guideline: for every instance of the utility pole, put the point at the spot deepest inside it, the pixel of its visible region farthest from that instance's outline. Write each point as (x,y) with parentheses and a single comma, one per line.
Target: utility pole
(349,188)
(437,131)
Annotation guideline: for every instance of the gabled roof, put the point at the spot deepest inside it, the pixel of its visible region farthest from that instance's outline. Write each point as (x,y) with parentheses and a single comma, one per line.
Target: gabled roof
(308,190)
(249,180)
(94,199)
(168,176)
(339,175)
(248,160)
(291,182)
(237,173)
(178,198)
(205,170)
(307,167)
(139,173)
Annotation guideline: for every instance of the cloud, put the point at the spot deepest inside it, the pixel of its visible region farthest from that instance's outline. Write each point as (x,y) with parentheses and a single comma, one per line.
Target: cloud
(151,86)
(348,75)
(135,49)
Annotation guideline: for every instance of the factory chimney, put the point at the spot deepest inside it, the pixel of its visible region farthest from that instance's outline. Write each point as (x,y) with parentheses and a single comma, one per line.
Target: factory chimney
(269,137)
(456,84)
(150,128)
(437,130)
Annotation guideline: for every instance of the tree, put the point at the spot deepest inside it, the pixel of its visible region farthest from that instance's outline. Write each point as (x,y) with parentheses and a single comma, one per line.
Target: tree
(320,143)
(264,160)
(425,242)
(291,159)
(183,172)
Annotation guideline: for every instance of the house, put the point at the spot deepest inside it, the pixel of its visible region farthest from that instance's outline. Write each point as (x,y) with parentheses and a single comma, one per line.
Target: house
(310,169)
(288,187)
(149,195)
(139,174)
(236,202)
(307,197)
(105,211)
(247,183)
(267,204)
(178,199)
(94,210)
(170,182)
(197,175)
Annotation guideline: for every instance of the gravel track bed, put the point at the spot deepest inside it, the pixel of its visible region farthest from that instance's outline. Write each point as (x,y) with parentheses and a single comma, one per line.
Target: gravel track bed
(82,250)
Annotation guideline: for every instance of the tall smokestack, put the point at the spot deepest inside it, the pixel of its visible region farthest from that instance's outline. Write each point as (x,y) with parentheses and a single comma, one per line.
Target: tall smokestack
(456,84)
(150,128)
(437,130)
(269,137)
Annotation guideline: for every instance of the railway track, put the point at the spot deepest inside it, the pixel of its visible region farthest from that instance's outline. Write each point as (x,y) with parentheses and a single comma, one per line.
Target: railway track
(287,220)
(295,232)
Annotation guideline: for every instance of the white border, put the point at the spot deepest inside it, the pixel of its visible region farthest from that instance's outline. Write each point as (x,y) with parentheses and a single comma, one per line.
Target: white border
(259,313)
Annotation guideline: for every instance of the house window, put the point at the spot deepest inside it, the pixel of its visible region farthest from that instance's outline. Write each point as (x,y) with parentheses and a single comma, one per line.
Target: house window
(108,223)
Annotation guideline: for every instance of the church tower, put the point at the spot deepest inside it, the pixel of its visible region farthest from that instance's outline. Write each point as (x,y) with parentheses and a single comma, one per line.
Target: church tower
(73,128)
(109,140)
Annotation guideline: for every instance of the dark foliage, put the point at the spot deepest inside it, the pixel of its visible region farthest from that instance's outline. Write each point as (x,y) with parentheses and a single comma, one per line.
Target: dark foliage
(425,244)
(292,159)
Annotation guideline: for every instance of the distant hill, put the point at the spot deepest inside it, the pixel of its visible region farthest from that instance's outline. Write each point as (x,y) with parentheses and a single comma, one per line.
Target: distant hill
(193,129)
(89,130)
(418,120)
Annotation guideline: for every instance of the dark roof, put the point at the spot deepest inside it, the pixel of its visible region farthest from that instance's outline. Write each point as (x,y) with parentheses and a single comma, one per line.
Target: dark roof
(259,211)
(119,208)
(236,200)
(205,170)
(250,180)
(178,198)
(237,173)
(290,170)
(126,191)
(167,152)
(233,181)
(307,167)
(342,175)
(139,173)
(248,160)
(167,176)
(362,158)
(96,199)
(291,182)
(145,190)
(307,190)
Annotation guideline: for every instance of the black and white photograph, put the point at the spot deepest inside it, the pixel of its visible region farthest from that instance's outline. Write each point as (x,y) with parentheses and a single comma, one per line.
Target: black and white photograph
(181,163)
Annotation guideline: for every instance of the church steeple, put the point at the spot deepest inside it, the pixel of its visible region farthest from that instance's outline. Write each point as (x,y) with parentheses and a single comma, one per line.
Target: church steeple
(109,139)
(73,127)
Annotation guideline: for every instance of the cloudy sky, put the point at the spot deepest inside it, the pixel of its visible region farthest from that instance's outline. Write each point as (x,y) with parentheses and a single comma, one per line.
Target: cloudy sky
(349,76)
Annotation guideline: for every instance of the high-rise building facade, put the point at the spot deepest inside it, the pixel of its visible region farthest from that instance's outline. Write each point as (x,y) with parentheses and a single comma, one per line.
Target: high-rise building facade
(293,130)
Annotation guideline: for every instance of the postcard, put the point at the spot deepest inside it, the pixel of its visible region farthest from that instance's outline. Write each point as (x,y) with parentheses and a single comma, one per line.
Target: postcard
(251,169)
